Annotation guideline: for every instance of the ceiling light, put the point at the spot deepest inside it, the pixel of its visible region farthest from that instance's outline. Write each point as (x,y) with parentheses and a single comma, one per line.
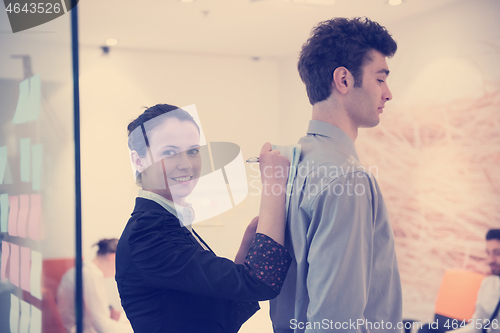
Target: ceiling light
(394,2)
(187,0)
(111,42)
(310,2)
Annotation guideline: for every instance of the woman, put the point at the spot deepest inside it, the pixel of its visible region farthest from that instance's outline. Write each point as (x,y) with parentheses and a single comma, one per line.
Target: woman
(99,316)
(168,278)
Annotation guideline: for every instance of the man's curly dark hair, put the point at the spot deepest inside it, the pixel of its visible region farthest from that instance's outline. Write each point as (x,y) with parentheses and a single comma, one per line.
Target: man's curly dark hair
(340,42)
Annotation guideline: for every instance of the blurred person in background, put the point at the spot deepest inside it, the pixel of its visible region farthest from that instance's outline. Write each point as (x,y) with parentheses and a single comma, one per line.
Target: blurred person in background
(485,318)
(99,316)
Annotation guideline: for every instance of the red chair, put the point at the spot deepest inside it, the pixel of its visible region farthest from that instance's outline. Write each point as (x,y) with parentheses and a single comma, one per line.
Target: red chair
(52,272)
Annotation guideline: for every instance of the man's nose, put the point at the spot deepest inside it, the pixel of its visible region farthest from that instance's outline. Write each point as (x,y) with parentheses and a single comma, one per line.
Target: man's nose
(387,95)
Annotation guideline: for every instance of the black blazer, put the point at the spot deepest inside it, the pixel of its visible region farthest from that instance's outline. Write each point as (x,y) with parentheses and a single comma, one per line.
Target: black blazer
(169,283)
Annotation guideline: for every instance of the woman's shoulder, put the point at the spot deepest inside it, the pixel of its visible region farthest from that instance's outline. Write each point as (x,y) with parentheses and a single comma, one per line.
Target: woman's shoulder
(149,213)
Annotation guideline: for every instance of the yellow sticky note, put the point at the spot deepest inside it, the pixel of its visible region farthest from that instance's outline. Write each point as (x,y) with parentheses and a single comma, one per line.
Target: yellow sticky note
(24,323)
(14,313)
(36,274)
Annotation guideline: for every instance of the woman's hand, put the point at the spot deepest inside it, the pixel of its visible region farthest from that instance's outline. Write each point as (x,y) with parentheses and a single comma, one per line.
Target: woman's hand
(274,174)
(247,240)
(273,169)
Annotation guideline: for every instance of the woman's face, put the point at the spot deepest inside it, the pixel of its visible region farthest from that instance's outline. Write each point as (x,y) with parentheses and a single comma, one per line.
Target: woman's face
(174,146)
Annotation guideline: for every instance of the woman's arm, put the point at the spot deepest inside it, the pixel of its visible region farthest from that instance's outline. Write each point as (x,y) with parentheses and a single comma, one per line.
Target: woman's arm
(274,175)
(247,240)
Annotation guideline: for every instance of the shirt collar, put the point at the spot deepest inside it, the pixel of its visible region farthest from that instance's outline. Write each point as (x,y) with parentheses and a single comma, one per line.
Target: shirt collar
(340,138)
(183,213)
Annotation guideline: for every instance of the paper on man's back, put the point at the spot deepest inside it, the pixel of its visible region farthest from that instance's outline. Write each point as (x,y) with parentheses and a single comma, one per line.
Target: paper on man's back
(292,153)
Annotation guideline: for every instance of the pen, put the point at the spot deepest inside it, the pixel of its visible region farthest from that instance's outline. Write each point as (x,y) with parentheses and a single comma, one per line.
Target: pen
(253,160)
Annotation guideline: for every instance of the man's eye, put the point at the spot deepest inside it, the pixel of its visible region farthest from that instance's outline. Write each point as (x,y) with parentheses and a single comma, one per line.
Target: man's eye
(381,81)
(194,151)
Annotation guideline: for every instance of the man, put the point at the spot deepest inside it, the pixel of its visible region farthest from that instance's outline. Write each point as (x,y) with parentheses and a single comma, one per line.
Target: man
(344,276)
(488,296)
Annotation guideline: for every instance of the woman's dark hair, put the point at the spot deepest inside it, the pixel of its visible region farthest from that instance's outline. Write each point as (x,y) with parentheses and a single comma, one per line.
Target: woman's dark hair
(340,42)
(106,246)
(153,116)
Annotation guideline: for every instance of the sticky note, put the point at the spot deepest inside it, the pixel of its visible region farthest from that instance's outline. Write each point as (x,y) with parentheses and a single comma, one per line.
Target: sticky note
(36,166)
(25,268)
(36,274)
(24,323)
(14,209)
(4,212)
(14,265)
(28,103)
(34,220)
(22,102)
(5,260)
(22,216)
(7,176)
(25,152)
(36,320)
(14,314)
(3,162)
(34,98)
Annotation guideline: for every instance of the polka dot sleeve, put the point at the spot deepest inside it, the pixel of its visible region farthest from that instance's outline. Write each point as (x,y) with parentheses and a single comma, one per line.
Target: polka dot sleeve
(268,261)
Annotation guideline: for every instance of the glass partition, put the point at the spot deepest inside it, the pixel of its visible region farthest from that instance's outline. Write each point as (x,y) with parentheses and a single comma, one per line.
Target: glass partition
(37,173)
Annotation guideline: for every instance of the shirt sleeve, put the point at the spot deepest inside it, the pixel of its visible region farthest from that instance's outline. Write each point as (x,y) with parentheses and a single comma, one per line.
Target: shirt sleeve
(340,253)
(167,258)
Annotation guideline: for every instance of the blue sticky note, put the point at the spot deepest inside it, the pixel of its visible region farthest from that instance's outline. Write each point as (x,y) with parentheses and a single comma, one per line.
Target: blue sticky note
(35,96)
(36,166)
(25,159)
(3,162)
(4,212)
(22,102)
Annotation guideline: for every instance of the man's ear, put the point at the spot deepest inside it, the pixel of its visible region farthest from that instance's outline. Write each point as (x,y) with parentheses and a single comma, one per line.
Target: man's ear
(341,79)
(137,161)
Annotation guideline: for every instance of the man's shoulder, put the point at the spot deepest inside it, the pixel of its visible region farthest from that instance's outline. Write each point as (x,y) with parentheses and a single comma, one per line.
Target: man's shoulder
(327,162)
(491,280)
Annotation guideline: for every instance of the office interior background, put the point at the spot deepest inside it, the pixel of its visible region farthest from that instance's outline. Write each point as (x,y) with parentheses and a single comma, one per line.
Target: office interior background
(435,153)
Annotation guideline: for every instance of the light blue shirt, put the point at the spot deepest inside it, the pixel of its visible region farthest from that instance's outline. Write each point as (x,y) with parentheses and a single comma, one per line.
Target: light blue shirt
(344,268)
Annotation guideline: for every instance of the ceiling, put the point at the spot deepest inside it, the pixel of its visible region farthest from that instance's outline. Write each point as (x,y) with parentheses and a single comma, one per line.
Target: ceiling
(256,28)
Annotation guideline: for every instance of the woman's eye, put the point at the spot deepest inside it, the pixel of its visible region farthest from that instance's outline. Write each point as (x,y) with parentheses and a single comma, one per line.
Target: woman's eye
(169,153)
(381,81)
(194,151)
